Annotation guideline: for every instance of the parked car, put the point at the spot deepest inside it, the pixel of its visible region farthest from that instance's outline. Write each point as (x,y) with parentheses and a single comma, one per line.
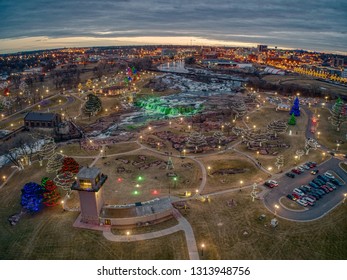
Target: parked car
(271,183)
(299,192)
(314,185)
(291,197)
(318,182)
(323,178)
(300,168)
(314,172)
(296,171)
(308,188)
(331,185)
(329,188)
(296,195)
(302,202)
(336,182)
(309,201)
(305,166)
(312,197)
(321,192)
(311,164)
(329,175)
(290,174)
(324,189)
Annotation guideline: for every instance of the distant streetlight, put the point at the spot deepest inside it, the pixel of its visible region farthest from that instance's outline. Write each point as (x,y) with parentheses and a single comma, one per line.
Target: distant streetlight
(128,235)
(202,249)
(276,208)
(184,152)
(337,146)
(344,197)
(209,170)
(318,133)
(269,168)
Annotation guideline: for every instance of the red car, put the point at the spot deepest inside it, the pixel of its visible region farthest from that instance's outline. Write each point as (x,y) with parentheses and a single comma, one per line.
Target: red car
(296,171)
(296,195)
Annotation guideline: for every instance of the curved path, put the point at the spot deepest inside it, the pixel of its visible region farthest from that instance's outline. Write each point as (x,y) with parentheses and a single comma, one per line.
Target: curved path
(183,225)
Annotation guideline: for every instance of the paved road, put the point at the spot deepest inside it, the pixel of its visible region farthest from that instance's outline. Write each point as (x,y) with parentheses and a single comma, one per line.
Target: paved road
(322,207)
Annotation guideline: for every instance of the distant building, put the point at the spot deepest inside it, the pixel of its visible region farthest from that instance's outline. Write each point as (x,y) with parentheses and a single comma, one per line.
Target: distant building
(337,61)
(344,73)
(262,48)
(168,52)
(41,120)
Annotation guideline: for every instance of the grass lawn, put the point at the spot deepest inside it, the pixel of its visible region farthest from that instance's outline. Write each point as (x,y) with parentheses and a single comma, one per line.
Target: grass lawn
(328,134)
(296,140)
(121,148)
(222,230)
(146,229)
(344,166)
(124,186)
(73,149)
(218,182)
(49,234)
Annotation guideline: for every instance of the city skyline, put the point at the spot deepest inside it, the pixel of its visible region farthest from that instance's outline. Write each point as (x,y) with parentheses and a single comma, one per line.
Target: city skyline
(312,25)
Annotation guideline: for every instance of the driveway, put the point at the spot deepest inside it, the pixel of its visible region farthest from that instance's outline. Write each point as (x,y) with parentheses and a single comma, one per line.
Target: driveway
(322,207)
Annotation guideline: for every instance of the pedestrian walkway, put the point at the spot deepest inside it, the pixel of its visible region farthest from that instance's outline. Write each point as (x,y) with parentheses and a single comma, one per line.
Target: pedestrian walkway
(183,225)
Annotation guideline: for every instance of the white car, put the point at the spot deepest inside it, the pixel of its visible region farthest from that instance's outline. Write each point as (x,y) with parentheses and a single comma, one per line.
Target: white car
(302,202)
(300,168)
(298,192)
(329,175)
(309,200)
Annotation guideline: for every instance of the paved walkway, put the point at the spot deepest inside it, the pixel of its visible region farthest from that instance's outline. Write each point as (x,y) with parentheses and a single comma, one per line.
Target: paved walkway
(183,224)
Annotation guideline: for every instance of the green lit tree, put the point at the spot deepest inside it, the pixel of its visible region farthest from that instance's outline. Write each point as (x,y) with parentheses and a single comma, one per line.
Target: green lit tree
(93,105)
(338,114)
(292,120)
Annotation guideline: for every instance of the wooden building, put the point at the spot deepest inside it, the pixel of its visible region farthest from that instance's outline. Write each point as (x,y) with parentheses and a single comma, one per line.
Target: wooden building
(41,120)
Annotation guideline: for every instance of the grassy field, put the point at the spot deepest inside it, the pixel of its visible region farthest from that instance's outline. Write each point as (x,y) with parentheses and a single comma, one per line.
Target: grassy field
(126,187)
(344,166)
(296,140)
(328,134)
(216,182)
(50,235)
(146,229)
(121,148)
(306,82)
(237,233)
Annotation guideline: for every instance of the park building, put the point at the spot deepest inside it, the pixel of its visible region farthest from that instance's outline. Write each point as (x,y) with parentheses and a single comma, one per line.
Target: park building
(42,120)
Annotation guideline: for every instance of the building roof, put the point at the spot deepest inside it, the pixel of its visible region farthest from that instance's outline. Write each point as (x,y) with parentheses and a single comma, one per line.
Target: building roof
(88,172)
(38,116)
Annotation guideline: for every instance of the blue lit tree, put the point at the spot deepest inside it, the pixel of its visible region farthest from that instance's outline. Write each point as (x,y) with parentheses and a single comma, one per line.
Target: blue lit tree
(32,196)
(295,108)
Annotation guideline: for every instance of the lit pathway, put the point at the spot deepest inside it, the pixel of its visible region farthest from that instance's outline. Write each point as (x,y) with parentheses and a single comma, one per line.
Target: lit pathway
(183,225)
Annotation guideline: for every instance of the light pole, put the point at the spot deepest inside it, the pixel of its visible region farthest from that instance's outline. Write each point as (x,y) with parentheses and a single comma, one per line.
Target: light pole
(276,208)
(344,197)
(209,170)
(202,249)
(318,133)
(337,146)
(128,235)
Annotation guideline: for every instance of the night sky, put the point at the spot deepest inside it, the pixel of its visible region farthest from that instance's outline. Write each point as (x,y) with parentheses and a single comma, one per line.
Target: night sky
(319,25)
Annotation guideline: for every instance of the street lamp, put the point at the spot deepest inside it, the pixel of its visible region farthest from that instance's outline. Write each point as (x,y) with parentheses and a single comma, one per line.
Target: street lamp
(318,133)
(296,159)
(337,146)
(209,170)
(269,168)
(344,197)
(276,208)
(128,235)
(257,154)
(202,249)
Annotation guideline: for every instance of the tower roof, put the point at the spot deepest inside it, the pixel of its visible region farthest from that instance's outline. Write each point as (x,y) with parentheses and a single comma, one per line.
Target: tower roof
(88,172)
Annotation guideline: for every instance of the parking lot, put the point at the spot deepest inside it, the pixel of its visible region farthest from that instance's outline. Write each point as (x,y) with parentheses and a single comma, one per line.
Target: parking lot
(321,207)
